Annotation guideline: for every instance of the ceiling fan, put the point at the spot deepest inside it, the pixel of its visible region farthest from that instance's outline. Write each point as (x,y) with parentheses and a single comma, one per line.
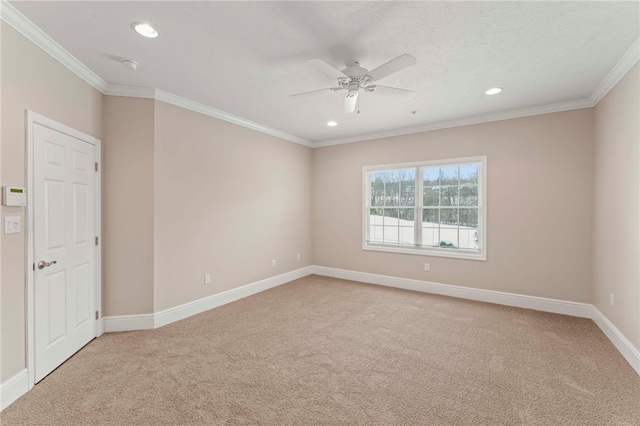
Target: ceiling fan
(354,79)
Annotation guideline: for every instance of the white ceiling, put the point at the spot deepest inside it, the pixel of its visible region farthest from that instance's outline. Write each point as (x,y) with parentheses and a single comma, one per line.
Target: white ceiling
(246,58)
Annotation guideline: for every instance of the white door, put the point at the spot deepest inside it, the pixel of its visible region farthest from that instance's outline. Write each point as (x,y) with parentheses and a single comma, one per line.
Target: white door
(64,220)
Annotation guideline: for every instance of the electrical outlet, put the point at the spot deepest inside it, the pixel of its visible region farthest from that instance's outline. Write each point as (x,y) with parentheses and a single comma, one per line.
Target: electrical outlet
(207,279)
(611,299)
(298,256)
(273,263)
(427,267)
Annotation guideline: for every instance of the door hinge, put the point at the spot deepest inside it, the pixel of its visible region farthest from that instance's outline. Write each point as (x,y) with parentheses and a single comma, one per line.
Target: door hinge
(97,315)
(97,240)
(34,266)
(96,167)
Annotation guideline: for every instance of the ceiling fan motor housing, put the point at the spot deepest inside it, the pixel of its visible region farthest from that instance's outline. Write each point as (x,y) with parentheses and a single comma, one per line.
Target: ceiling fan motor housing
(354,70)
(358,76)
(355,78)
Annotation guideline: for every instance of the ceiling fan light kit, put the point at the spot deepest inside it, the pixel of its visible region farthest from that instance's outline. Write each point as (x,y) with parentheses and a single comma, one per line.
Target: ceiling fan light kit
(355,78)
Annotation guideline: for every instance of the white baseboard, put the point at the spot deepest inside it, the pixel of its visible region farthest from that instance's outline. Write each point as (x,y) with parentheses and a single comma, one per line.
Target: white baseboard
(128,323)
(628,351)
(575,309)
(18,385)
(100,327)
(198,306)
(13,388)
(177,313)
(582,310)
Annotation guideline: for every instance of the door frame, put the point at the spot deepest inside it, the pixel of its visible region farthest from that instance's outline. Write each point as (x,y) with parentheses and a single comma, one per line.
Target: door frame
(32,118)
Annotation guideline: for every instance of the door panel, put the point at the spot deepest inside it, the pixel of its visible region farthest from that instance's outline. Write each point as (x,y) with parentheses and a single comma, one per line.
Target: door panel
(55,154)
(55,215)
(81,211)
(55,309)
(83,282)
(64,229)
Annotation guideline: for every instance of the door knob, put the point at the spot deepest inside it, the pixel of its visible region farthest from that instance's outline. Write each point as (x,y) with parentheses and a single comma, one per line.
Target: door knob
(42,264)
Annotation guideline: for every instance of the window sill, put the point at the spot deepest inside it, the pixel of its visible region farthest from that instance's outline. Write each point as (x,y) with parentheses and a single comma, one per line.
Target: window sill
(451,253)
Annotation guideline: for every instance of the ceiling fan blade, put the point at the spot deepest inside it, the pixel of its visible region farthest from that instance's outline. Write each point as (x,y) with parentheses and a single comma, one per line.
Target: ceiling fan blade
(315,92)
(326,68)
(350,101)
(394,65)
(392,91)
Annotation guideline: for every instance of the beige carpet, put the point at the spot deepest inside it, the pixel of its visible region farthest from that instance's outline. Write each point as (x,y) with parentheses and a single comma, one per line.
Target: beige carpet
(326,351)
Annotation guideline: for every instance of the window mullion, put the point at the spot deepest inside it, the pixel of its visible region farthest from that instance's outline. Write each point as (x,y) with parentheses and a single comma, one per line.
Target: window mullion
(367,206)
(384,209)
(417,217)
(439,208)
(458,203)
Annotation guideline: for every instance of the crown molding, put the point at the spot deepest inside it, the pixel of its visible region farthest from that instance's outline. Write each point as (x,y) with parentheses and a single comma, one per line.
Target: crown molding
(466,121)
(130,91)
(620,69)
(33,33)
(28,29)
(179,101)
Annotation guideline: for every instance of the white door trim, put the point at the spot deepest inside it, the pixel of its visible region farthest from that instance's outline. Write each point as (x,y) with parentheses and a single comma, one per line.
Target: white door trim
(32,118)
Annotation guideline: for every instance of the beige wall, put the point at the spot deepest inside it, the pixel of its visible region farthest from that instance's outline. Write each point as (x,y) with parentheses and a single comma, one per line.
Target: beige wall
(30,79)
(185,195)
(228,200)
(213,197)
(539,205)
(127,206)
(616,233)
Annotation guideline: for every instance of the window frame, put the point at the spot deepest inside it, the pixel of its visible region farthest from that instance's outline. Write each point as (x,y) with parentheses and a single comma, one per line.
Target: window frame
(480,254)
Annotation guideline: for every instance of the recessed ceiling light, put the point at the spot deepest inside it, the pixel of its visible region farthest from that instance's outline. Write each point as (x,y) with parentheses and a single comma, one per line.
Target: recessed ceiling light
(145,30)
(332,123)
(494,91)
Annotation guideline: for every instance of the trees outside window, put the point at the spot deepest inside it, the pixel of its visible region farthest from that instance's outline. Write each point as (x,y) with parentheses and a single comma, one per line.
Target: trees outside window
(435,208)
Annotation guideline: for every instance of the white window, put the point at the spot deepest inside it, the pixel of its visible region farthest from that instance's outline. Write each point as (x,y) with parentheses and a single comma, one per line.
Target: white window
(435,208)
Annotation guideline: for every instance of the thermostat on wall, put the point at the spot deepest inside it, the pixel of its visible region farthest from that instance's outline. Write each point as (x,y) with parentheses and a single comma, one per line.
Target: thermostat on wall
(14,196)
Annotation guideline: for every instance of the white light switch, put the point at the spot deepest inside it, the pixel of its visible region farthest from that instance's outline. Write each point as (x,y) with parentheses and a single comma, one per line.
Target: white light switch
(12,224)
